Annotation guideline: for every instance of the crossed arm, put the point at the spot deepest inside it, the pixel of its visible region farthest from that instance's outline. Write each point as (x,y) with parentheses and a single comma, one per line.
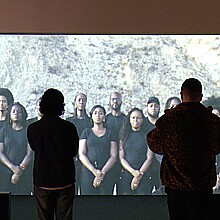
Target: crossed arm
(99,174)
(137,174)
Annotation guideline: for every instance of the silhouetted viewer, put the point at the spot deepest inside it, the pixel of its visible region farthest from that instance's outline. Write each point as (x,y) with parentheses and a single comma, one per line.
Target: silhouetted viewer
(55,143)
(189,138)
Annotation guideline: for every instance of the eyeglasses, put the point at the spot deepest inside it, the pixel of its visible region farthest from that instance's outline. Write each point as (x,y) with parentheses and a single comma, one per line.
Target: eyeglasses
(115,99)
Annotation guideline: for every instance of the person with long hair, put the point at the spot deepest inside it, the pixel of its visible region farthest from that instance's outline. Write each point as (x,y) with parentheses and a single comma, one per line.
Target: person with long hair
(134,154)
(15,153)
(98,153)
(6,99)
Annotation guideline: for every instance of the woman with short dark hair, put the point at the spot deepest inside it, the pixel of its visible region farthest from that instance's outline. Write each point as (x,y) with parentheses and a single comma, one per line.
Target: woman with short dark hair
(15,153)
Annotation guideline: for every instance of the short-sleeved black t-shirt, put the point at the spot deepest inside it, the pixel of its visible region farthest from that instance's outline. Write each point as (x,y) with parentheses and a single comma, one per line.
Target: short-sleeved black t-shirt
(98,148)
(15,145)
(135,149)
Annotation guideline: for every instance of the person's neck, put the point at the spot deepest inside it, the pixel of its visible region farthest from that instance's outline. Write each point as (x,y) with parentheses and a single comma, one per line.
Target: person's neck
(2,115)
(152,119)
(190,100)
(17,125)
(116,113)
(80,114)
(136,129)
(98,126)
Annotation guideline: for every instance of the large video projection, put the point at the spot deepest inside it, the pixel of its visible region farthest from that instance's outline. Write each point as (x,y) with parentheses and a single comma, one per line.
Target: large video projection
(136,66)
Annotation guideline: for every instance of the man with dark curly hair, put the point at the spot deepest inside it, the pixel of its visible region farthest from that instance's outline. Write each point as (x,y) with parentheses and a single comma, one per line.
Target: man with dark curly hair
(55,144)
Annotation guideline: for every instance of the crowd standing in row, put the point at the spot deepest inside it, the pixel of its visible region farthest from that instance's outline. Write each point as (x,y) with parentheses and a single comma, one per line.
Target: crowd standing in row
(113,156)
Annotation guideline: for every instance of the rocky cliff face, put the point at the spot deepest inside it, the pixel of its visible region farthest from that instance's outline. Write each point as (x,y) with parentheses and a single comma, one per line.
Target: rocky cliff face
(138,66)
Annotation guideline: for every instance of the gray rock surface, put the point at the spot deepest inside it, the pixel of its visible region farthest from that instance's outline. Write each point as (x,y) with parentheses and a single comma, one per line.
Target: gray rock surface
(138,66)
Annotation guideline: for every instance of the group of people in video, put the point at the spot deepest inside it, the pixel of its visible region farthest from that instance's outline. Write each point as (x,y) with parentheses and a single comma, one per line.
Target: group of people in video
(113,157)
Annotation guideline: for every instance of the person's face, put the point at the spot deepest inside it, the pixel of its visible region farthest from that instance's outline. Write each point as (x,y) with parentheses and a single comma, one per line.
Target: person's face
(37,108)
(98,116)
(153,109)
(216,112)
(16,113)
(136,120)
(3,103)
(174,103)
(80,102)
(115,102)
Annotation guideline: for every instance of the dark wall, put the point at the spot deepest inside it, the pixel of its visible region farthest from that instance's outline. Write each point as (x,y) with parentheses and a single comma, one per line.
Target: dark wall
(100,208)
(115,16)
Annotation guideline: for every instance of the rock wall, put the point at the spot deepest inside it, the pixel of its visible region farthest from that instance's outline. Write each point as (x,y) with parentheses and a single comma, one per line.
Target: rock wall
(138,66)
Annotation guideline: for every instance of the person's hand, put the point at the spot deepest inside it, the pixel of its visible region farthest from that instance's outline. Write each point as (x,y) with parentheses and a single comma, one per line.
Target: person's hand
(97,182)
(98,179)
(137,174)
(134,183)
(217,183)
(97,172)
(14,178)
(17,170)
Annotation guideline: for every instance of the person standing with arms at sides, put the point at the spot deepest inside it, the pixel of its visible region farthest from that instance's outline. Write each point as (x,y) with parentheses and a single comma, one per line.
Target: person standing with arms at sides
(188,136)
(6,99)
(114,121)
(98,153)
(55,143)
(15,153)
(134,155)
(81,120)
(153,111)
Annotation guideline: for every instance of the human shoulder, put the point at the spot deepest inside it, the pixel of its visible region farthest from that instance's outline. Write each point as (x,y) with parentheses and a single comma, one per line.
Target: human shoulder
(70,119)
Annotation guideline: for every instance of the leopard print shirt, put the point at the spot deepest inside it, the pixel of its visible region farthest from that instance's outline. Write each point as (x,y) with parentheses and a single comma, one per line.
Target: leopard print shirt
(188,136)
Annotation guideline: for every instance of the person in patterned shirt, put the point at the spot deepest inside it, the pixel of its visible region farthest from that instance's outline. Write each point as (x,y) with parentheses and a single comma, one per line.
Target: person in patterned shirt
(188,136)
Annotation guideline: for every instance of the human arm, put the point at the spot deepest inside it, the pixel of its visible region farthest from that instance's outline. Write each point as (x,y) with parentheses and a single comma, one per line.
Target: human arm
(84,159)
(108,165)
(125,164)
(154,138)
(217,183)
(145,166)
(5,160)
(23,165)
(75,141)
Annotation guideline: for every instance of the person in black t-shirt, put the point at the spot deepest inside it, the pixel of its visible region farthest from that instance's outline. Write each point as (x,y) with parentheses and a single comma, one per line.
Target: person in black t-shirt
(81,120)
(98,153)
(153,110)
(114,121)
(134,155)
(6,99)
(15,153)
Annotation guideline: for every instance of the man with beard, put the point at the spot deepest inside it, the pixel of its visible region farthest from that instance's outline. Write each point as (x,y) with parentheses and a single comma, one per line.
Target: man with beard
(114,121)
(153,110)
